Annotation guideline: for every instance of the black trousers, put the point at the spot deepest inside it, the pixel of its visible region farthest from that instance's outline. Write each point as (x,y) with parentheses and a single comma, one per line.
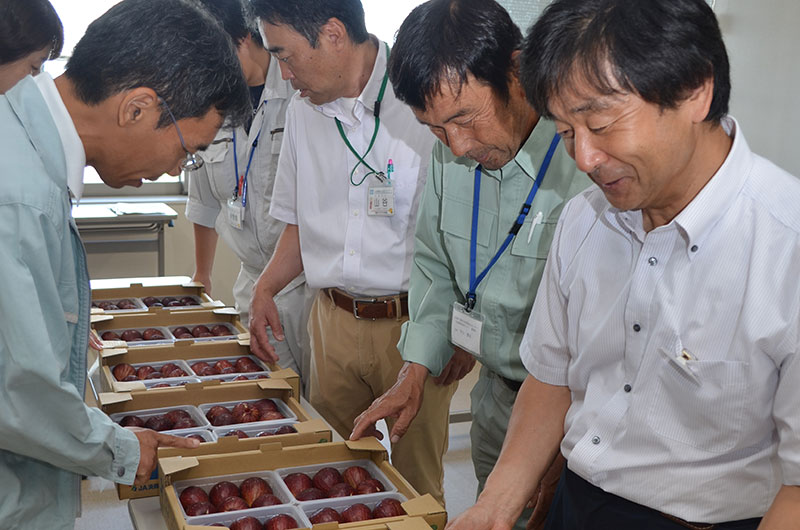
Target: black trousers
(579,505)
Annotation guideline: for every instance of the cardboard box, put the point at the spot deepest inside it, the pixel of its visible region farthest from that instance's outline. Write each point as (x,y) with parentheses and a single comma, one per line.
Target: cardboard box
(269,457)
(162,318)
(182,350)
(309,430)
(139,291)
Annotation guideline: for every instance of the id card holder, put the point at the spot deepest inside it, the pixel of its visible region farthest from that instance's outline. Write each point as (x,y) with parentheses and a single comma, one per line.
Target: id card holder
(465,329)
(235,212)
(381,199)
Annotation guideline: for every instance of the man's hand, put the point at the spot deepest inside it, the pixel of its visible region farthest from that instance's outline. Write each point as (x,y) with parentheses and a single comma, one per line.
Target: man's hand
(479,517)
(149,442)
(544,495)
(95,342)
(402,401)
(460,364)
(205,279)
(263,314)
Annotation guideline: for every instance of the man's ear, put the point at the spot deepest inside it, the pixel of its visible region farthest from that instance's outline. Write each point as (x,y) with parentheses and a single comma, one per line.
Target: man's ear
(335,32)
(138,105)
(699,100)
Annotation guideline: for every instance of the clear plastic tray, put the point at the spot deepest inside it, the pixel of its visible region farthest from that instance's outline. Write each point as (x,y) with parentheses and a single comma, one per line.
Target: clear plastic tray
(251,432)
(310,508)
(207,435)
(198,417)
(289,417)
(137,301)
(172,382)
(178,297)
(233,330)
(262,514)
(231,376)
(157,366)
(369,465)
(169,338)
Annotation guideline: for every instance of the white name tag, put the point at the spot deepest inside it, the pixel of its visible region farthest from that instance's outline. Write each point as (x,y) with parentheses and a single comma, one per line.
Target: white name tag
(381,200)
(465,329)
(235,213)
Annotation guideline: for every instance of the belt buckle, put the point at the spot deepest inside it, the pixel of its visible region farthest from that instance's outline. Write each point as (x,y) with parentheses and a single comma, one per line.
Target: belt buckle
(363,301)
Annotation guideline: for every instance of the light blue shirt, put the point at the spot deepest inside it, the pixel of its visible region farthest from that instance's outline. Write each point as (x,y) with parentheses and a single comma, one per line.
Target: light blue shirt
(48,435)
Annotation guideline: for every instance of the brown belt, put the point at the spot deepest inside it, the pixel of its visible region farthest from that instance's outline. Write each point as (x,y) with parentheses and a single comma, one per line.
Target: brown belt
(395,307)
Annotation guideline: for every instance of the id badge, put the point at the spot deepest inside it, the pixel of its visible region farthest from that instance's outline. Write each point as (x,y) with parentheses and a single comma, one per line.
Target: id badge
(235,213)
(381,199)
(466,328)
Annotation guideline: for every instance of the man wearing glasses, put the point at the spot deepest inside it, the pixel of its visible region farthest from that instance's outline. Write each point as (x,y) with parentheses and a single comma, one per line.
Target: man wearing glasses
(136,101)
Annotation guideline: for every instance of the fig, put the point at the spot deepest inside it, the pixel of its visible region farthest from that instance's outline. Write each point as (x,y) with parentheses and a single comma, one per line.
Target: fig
(356,512)
(188,300)
(131,335)
(246,523)
(253,488)
(224,367)
(178,372)
(132,421)
(216,410)
(173,303)
(198,330)
(126,303)
(150,300)
(181,329)
(158,423)
(240,378)
(184,423)
(196,437)
(192,495)
(355,475)
(167,368)
(238,433)
(186,335)
(152,334)
(122,370)
(271,415)
(286,429)
(220,330)
(232,504)
(200,508)
(311,494)
(341,489)
(167,300)
(154,375)
(388,508)
(326,515)
(109,335)
(267,499)
(246,364)
(369,486)
(161,385)
(131,377)
(265,405)
(297,482)
(245,413)
(143,371)
(221,491)
(199,366)
(203,334)
(265,433)
(280,522)
(175,415)
(326,478)
(223,418)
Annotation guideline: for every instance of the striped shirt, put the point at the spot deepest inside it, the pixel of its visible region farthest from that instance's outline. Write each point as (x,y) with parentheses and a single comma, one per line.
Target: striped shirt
(680,345)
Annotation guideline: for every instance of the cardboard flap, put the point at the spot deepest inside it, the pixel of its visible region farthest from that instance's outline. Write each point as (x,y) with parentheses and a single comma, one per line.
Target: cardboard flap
(101,317)
(273,384)
(422,505)
(283,373)
(212,304)
(245,341)
(113,351)
(128,386)
(409,523)
(312,425)
(193,284)
(109,398)
(173,464)
(369,443)
(226,311)
(97,311)
(270,447)
(333,525)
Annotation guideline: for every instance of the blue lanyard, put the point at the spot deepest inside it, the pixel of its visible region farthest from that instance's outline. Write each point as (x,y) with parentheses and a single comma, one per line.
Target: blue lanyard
(476,197)
(246,171)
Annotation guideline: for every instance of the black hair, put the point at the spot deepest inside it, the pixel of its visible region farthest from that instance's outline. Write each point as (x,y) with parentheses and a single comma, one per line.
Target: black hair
(236,17)
(659,49)
(445,40)
(170,46)
(27,26)
(307,17)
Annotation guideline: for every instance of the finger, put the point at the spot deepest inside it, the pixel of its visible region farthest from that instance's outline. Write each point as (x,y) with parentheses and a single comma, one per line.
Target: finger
(363,429)
(274,323)
(366,422)
(166,440)
(401,424)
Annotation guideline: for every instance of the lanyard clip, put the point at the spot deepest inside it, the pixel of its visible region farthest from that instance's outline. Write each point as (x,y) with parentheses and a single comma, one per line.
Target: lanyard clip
(469,303)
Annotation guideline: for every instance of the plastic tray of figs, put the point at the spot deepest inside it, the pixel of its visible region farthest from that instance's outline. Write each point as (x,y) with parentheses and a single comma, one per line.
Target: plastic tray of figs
(169,338)
(130,305)
(172,302)
(251,432)
(369,465)
(156,366)
(205,434)
(263,515)
(289,417)
(340,504)
(232,332)
(155,384)
(194,413)
(212,361)
(272,479)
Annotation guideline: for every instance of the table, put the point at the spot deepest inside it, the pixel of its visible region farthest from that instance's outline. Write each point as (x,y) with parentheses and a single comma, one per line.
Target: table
(124,227)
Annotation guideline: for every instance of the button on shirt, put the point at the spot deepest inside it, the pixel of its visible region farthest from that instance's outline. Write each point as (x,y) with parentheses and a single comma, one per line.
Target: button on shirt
(341,245)
(440,269)
(709,429)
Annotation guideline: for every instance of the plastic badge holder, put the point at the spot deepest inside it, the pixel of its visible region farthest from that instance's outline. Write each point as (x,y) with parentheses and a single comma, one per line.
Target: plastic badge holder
(233,330)
(310,508)
(289,417)
(198,417)
(251,432)
(369,465)
(206,483)
(169,338)
(157,367)
(231,376)
(137,301)
(262,514)
(173,382)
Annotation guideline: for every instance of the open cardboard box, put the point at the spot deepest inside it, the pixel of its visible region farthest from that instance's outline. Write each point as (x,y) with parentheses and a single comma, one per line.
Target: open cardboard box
(185,350)
(269,457)
(162,318)
(137,290)
(309,430)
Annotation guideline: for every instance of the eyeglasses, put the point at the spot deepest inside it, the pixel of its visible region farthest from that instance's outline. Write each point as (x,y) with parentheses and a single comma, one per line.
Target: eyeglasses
(192,161)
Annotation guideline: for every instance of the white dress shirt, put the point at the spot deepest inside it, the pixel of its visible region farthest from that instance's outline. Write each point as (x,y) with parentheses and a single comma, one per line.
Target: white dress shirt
(74,154)
(710,438)
(341,245)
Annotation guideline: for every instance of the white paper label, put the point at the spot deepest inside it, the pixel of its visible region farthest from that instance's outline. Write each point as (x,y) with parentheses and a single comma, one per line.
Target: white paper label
(381,200)
(465,329)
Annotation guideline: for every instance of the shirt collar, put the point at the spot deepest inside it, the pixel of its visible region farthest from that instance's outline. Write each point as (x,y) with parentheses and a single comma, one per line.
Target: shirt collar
(343,108)
(74,154)
(531,155)
(274,86)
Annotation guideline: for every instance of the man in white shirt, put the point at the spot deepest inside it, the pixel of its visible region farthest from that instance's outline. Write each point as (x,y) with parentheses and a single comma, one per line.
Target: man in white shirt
(663,343)
(350,174)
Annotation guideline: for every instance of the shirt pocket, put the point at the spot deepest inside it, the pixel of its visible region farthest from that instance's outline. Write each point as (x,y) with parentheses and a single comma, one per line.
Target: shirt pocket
(702,404)
(456,221)
(276,140)
(536,244)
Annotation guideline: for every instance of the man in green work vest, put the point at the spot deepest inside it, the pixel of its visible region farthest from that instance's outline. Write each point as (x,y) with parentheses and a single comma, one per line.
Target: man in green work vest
(497,182)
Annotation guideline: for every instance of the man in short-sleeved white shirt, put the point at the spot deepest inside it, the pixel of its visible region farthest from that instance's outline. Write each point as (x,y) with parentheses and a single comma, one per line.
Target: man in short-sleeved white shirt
(350,174)
(663,342)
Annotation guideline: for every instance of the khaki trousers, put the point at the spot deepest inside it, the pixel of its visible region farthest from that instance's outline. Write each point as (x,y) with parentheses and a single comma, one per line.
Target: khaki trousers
(355,361)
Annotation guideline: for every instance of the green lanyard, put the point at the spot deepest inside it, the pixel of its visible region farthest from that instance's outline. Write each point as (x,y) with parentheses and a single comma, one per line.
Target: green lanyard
(376,113)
